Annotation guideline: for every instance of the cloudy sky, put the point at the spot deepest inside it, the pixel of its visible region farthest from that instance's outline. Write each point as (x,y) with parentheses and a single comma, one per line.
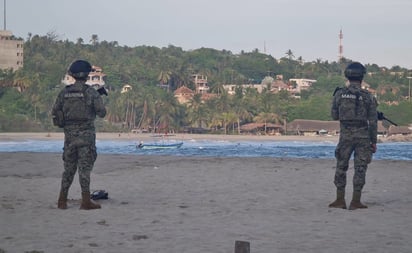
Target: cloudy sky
(374,31)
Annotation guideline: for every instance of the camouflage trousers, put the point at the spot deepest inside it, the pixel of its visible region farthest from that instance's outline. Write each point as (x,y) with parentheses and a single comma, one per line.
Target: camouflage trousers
(78,154)
(362,154)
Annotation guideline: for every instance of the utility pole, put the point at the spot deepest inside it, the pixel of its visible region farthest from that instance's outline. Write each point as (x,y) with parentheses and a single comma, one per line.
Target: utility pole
(409,90)
(4,1)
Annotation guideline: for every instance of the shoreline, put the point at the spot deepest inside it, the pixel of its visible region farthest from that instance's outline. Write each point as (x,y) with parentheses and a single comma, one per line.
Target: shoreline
(17,136)
(44,136)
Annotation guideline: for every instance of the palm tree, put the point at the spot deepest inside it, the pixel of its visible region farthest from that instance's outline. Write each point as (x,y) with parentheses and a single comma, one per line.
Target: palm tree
(29,35)
(228,118)
(79,41)
(94,40)
(214,120)
(195,110)
(164,77)
(240,107)
(217,88)
(167,109)
(290,55)
(242,113)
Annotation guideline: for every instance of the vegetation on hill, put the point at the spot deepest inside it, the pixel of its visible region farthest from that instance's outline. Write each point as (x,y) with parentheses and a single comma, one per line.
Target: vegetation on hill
(27,95)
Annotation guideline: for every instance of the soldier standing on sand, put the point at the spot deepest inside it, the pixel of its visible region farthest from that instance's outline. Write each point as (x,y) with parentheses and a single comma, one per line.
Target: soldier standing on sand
(355,108)
(75,110)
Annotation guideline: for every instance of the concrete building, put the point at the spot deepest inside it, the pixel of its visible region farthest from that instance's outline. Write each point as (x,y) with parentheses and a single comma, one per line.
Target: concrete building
(200,82)
(11,51)
(302,84)
(231,88)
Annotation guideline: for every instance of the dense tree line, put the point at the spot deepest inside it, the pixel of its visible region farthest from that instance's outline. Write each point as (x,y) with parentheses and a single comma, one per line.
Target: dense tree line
(27,95)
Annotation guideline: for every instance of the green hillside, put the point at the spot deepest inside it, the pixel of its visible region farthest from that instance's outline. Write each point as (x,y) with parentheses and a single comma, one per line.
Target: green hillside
(27,95)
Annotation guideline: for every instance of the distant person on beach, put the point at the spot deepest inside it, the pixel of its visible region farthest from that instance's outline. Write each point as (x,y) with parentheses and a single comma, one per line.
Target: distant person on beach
(355,108)
(75,110)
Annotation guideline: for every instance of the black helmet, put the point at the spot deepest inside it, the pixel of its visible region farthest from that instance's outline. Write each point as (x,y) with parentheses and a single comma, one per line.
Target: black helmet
(355,71)
(80,69)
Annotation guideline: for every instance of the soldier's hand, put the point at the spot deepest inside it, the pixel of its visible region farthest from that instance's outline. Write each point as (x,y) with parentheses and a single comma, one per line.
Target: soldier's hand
(380,115)
(374,148)
(102,91)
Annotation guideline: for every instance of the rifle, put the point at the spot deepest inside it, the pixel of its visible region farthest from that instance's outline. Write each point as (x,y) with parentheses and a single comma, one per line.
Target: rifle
(379,114)
(382,117)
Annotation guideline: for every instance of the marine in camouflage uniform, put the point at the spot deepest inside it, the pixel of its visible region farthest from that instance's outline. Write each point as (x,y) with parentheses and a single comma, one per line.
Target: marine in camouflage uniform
(355,108)
(79,104)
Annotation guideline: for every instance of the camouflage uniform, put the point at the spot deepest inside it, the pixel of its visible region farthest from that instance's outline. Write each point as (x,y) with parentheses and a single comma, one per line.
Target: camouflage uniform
(80,104)
(355,108)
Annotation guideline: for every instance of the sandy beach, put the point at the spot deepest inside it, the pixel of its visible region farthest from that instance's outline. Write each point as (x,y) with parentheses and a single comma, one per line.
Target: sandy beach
(201,204)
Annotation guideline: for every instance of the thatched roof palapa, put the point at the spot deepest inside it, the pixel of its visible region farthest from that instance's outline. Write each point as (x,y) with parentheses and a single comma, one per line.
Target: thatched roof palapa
(305,125)
(399,130)
(256,126)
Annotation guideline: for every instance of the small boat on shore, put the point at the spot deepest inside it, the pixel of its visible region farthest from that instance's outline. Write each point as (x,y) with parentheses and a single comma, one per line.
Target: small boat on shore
(163,143)
(160,145)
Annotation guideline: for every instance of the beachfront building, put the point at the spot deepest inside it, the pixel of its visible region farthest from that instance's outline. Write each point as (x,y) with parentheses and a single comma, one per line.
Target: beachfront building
(319,127)
(262,128)
(312,127)
(11,51)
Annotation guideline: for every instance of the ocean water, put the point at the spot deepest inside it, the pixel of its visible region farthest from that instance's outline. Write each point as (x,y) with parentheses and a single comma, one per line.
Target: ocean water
(288,149)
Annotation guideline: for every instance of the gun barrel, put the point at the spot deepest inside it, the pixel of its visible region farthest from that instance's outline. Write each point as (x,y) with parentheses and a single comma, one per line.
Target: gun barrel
(381,116)
(390,121)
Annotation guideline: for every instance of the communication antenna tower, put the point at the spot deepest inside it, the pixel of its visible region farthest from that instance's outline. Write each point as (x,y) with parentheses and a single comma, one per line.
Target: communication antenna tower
(4,3)
(340,45)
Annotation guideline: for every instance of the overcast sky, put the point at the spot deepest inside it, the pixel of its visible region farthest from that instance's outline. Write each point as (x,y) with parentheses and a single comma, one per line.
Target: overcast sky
(374,31)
